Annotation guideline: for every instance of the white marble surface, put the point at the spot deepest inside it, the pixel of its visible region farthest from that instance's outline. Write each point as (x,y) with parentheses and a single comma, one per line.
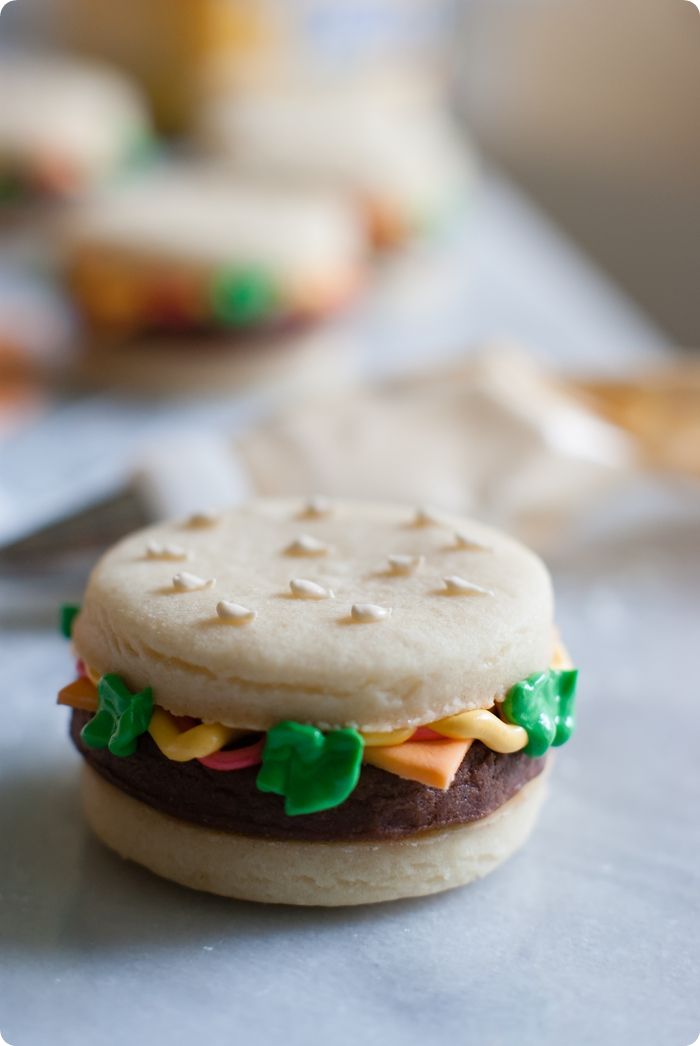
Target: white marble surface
(589,936)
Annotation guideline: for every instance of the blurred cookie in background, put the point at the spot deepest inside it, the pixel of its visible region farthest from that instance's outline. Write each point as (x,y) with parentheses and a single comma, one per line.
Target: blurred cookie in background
(184,52)
(66,126)
(185,250)
(36,343)
(388,142)
(190,279)
(36,325)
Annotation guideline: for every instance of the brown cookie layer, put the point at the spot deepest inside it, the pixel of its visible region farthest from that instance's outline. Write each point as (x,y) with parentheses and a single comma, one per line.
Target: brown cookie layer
(383,806)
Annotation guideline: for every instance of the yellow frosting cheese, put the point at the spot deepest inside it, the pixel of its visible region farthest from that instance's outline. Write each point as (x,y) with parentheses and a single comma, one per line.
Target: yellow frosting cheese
(432,763)
(81,693)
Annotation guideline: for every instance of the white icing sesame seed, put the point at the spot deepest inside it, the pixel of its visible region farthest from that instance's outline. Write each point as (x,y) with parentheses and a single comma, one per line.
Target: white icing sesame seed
(457,586)
(206,518)
(234,613)
(317,507)
(186,582)
(368,613)
(424,517)
(303,589)
(405,565)
(305,545)
(463,540)
(154,550)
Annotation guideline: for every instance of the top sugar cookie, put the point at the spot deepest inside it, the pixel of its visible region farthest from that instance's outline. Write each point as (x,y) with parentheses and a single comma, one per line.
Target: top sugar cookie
(333,613)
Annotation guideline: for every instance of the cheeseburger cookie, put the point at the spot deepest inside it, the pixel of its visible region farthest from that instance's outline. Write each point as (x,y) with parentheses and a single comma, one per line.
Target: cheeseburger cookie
(391,148)
(187,251)
(315,702)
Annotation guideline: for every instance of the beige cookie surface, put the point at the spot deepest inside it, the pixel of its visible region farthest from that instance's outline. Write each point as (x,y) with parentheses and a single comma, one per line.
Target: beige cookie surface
(194,217)
(424,615)
(391,143)
(302,873)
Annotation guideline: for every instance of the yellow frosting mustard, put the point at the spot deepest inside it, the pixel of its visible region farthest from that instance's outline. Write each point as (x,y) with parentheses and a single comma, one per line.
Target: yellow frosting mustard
(196,743)
(482,725)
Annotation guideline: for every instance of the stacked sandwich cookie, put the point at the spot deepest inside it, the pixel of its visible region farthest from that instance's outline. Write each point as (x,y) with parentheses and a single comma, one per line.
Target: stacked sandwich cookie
(389,145)
(315,702)
(185,276)
(187,250)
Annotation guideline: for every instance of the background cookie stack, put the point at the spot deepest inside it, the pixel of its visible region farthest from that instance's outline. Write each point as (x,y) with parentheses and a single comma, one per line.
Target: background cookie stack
(231,178)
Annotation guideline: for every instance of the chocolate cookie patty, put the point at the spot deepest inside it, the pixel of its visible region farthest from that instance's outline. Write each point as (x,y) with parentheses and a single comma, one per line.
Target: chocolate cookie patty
(383,806)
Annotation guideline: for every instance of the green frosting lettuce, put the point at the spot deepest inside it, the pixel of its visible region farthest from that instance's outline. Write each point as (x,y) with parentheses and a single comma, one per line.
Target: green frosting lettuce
(312,770)
(544,705)
(66,618)
(243,297)
(121,718)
